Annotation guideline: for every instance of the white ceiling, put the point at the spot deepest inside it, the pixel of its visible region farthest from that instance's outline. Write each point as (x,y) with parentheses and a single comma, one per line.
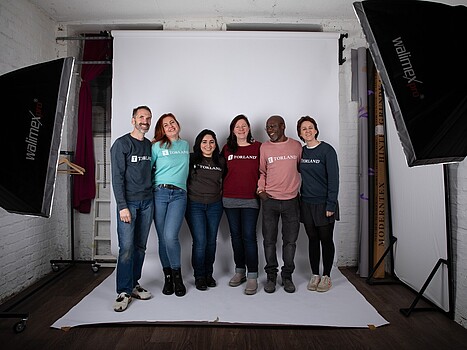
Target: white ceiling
(151,11)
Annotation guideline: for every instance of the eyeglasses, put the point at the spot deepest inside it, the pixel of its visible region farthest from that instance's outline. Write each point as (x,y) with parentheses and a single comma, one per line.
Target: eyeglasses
(272,126)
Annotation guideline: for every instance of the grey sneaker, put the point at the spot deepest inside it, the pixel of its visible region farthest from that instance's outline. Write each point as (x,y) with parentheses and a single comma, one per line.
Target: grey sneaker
(140,293)
(251,286)
(313,284)
(122,302)
(325,284)
(289,287)
(237,279)
(270,286)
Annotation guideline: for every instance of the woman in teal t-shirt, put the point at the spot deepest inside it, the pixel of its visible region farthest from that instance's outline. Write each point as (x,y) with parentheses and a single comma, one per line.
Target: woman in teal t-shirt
(170,158)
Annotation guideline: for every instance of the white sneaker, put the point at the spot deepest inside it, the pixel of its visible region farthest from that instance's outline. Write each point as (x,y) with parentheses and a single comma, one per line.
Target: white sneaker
(313,285)
(140,293)
(122,301)
(325,284)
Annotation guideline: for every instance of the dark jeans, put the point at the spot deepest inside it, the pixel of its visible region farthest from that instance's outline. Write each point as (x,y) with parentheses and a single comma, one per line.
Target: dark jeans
(132,239)
(289,212)
(203,221)
(242,224)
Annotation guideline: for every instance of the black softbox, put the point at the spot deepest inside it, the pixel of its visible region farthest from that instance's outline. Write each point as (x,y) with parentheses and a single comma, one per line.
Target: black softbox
(418,49)
(33,101)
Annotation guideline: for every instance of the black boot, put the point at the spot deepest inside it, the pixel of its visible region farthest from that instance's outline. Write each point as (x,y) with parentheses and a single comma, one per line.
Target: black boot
(179,287)
(200,283)
(169,282)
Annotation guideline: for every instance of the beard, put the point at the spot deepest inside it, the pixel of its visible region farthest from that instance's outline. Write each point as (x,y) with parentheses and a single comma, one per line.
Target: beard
(143,128)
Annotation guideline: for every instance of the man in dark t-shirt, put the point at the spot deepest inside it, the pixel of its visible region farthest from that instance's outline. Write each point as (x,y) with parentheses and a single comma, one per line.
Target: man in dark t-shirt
(132,187)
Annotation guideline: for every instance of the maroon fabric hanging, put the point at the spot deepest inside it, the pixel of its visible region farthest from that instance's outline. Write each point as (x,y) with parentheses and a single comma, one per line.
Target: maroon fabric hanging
(84,189)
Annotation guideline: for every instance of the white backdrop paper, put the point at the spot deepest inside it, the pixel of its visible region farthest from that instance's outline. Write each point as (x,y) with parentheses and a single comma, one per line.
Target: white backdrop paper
(207,78)
(418,221)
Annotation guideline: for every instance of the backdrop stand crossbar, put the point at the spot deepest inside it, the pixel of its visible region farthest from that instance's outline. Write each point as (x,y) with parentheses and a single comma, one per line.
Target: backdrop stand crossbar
(370,280)
(407,311)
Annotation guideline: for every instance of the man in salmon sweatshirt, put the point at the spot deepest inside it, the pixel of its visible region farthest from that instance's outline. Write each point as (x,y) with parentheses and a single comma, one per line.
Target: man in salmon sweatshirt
(278,187)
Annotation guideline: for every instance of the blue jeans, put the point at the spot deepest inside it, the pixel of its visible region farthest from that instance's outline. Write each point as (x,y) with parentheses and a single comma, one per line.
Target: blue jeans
(242,224)
(169,210)
(289,212)
(132,239)
(203,221)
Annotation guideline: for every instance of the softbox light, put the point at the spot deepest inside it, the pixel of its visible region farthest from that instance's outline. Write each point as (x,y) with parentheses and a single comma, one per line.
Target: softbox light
(33,101)
(418,49)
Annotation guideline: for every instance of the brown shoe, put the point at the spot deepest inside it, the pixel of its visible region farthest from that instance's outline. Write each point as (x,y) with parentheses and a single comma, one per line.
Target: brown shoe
(289,287)
(270,286)
(237,279)
(251,286)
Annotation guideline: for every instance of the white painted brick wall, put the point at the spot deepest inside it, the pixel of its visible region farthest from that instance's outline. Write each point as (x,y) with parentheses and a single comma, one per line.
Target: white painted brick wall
(27,244)
(458,179)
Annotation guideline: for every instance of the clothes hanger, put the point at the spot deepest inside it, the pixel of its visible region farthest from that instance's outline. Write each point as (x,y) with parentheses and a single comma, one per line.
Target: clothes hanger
(73,168)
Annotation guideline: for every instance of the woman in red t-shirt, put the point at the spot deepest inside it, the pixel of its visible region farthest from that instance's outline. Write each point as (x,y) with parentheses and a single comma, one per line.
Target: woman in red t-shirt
(241,204)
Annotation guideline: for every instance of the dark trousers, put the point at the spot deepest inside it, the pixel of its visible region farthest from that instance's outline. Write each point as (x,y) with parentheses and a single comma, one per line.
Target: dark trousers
(242,224)
(289,212)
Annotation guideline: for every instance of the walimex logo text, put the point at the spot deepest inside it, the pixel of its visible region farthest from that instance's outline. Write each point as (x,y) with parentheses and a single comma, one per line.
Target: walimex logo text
(413,84)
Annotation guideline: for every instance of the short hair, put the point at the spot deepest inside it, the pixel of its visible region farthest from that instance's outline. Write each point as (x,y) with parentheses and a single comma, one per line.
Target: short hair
(135,110)
(307,118)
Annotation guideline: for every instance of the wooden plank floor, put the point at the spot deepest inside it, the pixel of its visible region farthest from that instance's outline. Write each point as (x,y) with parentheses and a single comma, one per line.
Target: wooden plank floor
(421,330)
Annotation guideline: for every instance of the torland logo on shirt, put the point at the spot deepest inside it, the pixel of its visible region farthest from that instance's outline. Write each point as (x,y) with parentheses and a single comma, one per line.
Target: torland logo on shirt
(167,152)
(233,156)
(207,167)
(274,159)
(310,161)
(136,159)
